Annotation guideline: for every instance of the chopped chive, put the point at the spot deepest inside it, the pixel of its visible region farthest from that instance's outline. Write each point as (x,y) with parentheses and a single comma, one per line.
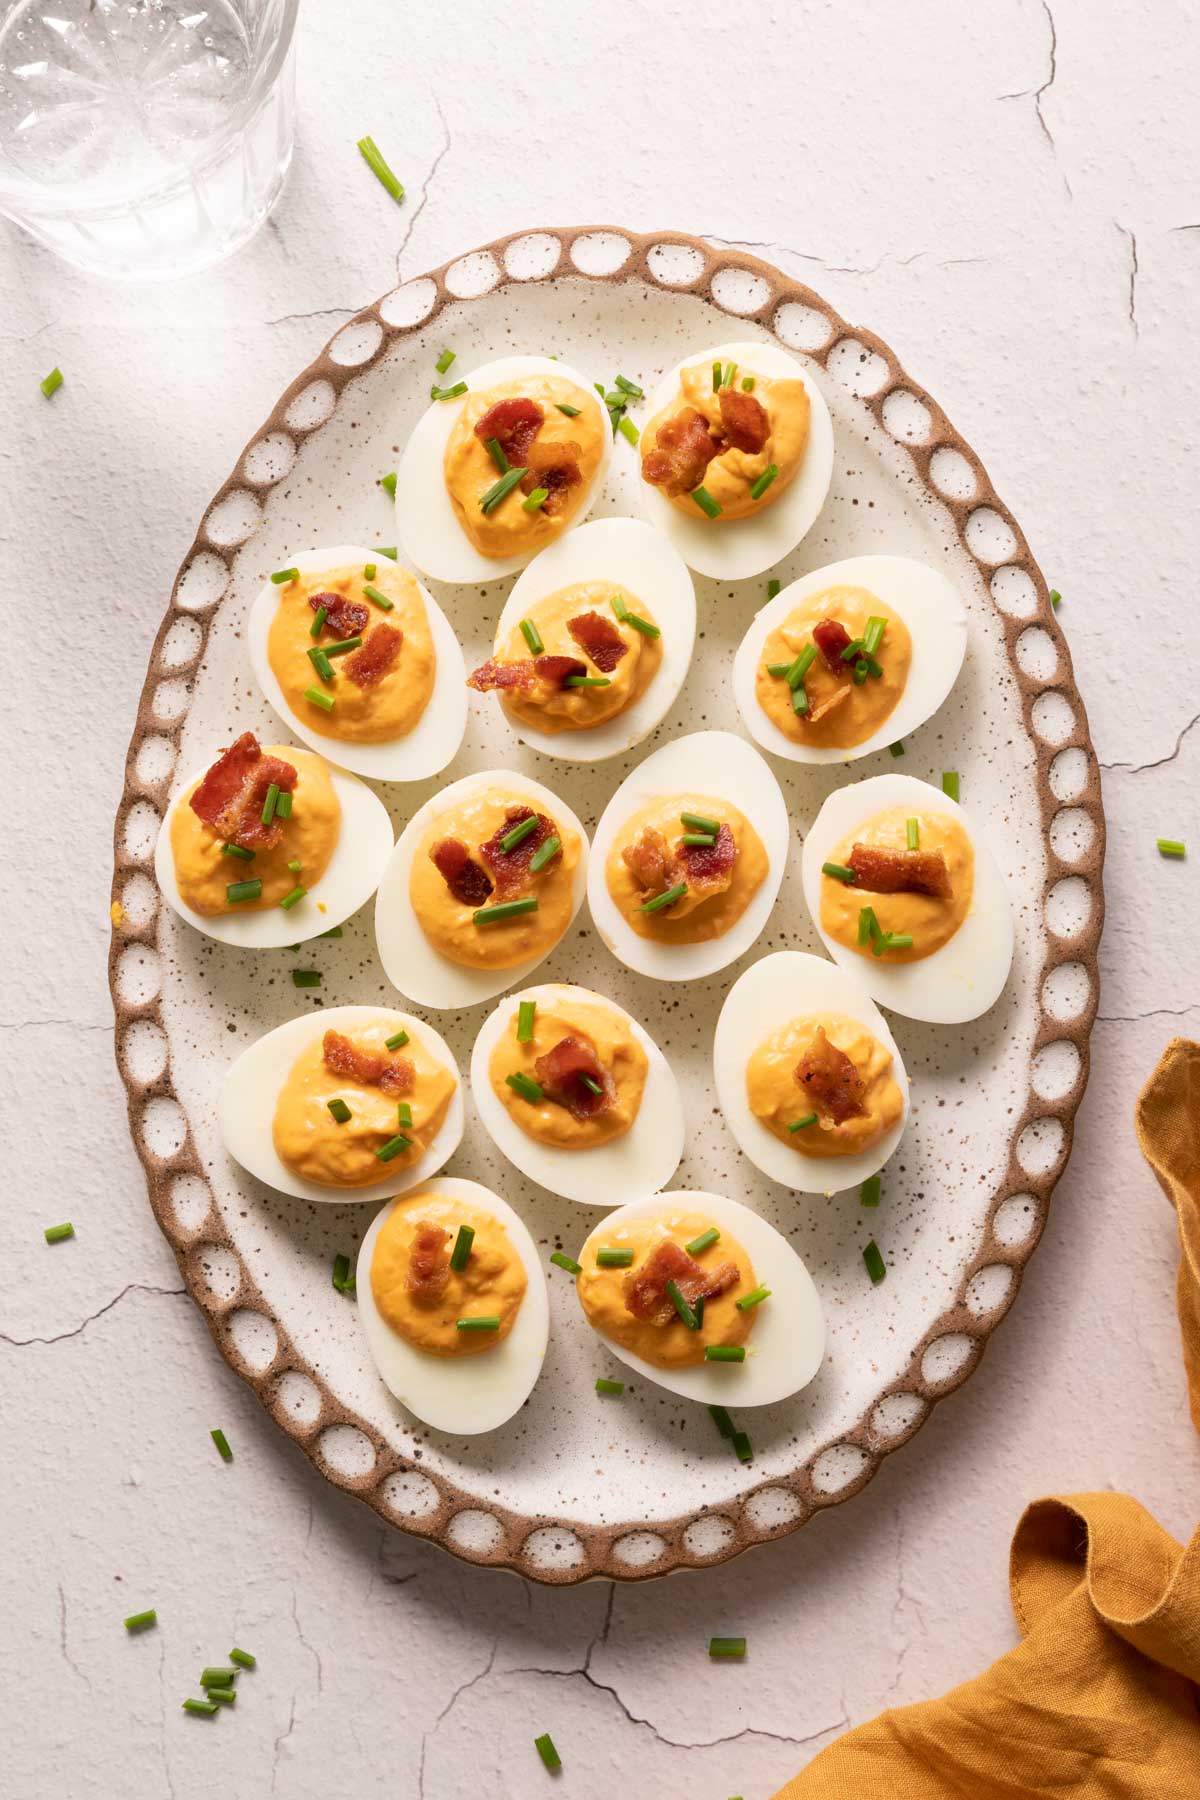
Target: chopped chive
(243,1658)
(839,872)
(722,1421)
(629,430)
(226,1454)
(306,978)
(404,1115)
(490,1322)
(397,1041)
(604,1386)
(912,831)
(773,587)
(244,890)
(342,1278)
(282,575)
(686,1312)
(343,646)
(394,1147)
(51,383)
(860,672)
(571,412)
(525,1085)
(593,1087)
(1171,847)
(876,1267)
(950,783)
(532,636)
(893,940)
(525,1015)
(495,450)
(268,805)
(734,1353)
(376,598)
(1055,598)
(339,1110)
(747,384)
(141,1621)
(461,1253)
(741,1445)
(698,840)
(660,901)
(222,1696)
(642,625)
(207,1707)
(764,481)
(283,806)
(317,698)
(868,1193)
(804,1123)
(544,1746)
(755,1297)
(388,484)
(519,833)
(868,925)
(545,853)
(295,865)
(727,1646)
(852,651)
(698,822)
(706,503)
(444,360)
(500,490)
(716,377)
(508,909)
(803,663)
(599,387)
(319,618)
(630,387)
(705,1241)
(778,670)
(534,502)
(388,550)
(563,1261)
(369,152)
(613,1259)
(293,899)
(800,699)
(217,1677)
(335,931)
(320,662)
(730,372)
(58,1234)
(897,749)
(587,681)
(873,635)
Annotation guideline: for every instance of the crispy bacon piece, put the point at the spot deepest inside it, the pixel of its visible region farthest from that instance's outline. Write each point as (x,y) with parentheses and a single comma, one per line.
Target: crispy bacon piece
(708,869)
(645,1286)
(649,860)
(230,796)
(391,1074)
(428,1262)
(900,871)
(561,1073)
(469,884)
(744,420)
(344,618)
(514,423)
(683,449)
(830,1080)
(831,638)
(511,867)
(554,670)
(554,467)
(599,639)
(380,648)
(821,707)
(525,674)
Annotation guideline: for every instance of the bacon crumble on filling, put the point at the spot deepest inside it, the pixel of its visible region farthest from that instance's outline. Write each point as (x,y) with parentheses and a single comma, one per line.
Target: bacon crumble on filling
(883,871)
(230,796)
(526,673)
(554,467)
(391,1074)
(376,657)
(830,1079)
(510,868)
(645,1286)
(683,449)
(515,424)
(469,884)
(428,1262)
(560,1073)
(745,420)
(344,618)
(706,868)
(599,639)
(831,638)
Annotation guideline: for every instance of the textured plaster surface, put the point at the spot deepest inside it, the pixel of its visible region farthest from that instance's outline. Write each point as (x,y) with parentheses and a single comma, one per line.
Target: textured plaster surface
(1006,194)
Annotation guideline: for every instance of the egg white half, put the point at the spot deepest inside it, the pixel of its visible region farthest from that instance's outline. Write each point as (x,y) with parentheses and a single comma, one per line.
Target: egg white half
(791,985)
(785,1348)
(930,606)
(635,556)
(737,548)
(252,1085)
(409,960)
(437,734)
(722,766)
(427,526)
(469,1394)
(966,976)
(362,849)
(640,1162)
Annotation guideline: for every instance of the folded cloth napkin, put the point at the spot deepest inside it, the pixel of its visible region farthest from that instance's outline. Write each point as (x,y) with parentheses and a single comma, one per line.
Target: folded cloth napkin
(1102,1696)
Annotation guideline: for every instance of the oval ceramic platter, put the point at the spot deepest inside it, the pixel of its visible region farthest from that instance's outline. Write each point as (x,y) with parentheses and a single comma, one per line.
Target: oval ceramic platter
(574,1485)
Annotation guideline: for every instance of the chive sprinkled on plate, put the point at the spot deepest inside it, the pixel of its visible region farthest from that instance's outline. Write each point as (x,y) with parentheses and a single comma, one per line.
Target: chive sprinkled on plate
(226,1454)
(764,481)
(731,1353)
(607,1258)
(488,1322)
(376,598)
(244,890)
(604,1386)
(339,1110)
(207,1707)
(629,430)
(705,1241)
(500,490)
(741,1447)
(141,1621)
(370,153)
(630,387)
(534,502)
(306,978)
(704,500)
(729,1647)
(722,1421)
(447,393)
(282,575)
(1171,847)
(508,909)
(532,636)
(397,1041)
(388,550)
(335,931)
(804,1123)
(388,483)
(660,901)
(51,383)
(526,1012)
(839,872)
(316,698)
(950,783)
(773,587)
(897,749)
(875,1265)
(58,1234)
(754,1298)
(525,1085)
(243,1658)
(444,360)
(869,1192)
(345,1281)
(519,833)
(461,1253)
(544,1746)
(563,1261)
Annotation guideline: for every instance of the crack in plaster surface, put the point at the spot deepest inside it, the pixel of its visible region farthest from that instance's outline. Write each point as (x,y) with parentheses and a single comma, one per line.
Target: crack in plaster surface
(1037,94)
(133,1287)
(1132,768)
(434,166)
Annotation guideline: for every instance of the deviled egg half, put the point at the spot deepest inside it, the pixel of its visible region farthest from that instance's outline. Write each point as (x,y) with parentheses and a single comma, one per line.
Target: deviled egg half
(577,1095)
(483,882)
(352,1103)
(850,658)
(737,458)
(360,661)
(688,857)
(701,1296)
(270,845)
(508,461)
(453,1303)
(808,1075)
(907,895)
(594,641)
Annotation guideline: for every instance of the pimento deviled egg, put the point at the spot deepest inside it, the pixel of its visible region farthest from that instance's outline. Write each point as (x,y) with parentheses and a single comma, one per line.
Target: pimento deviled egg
(361,662)
(594,641)
(577,1095)
(808,1075)
(508,461)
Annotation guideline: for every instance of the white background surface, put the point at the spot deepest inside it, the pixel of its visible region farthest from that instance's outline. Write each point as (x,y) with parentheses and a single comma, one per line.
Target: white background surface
(1009,199)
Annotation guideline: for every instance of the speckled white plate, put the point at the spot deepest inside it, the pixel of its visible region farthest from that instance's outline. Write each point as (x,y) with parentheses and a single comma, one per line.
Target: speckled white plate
(572,1486)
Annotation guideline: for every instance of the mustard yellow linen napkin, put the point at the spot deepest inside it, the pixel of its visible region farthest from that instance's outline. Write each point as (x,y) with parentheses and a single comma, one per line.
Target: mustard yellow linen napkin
(1102,1696)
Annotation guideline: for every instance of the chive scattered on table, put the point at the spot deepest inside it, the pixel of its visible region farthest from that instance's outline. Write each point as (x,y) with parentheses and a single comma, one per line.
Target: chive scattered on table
(371,155)
(1171,847)
(243,1658)
(51,383)
(544,1746)
(58,1234)
(141,1621)
(222,1442)
(728,1647)
(563,1261)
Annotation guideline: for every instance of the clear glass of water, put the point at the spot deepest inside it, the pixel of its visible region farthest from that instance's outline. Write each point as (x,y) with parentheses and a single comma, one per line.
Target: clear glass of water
(144,138)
